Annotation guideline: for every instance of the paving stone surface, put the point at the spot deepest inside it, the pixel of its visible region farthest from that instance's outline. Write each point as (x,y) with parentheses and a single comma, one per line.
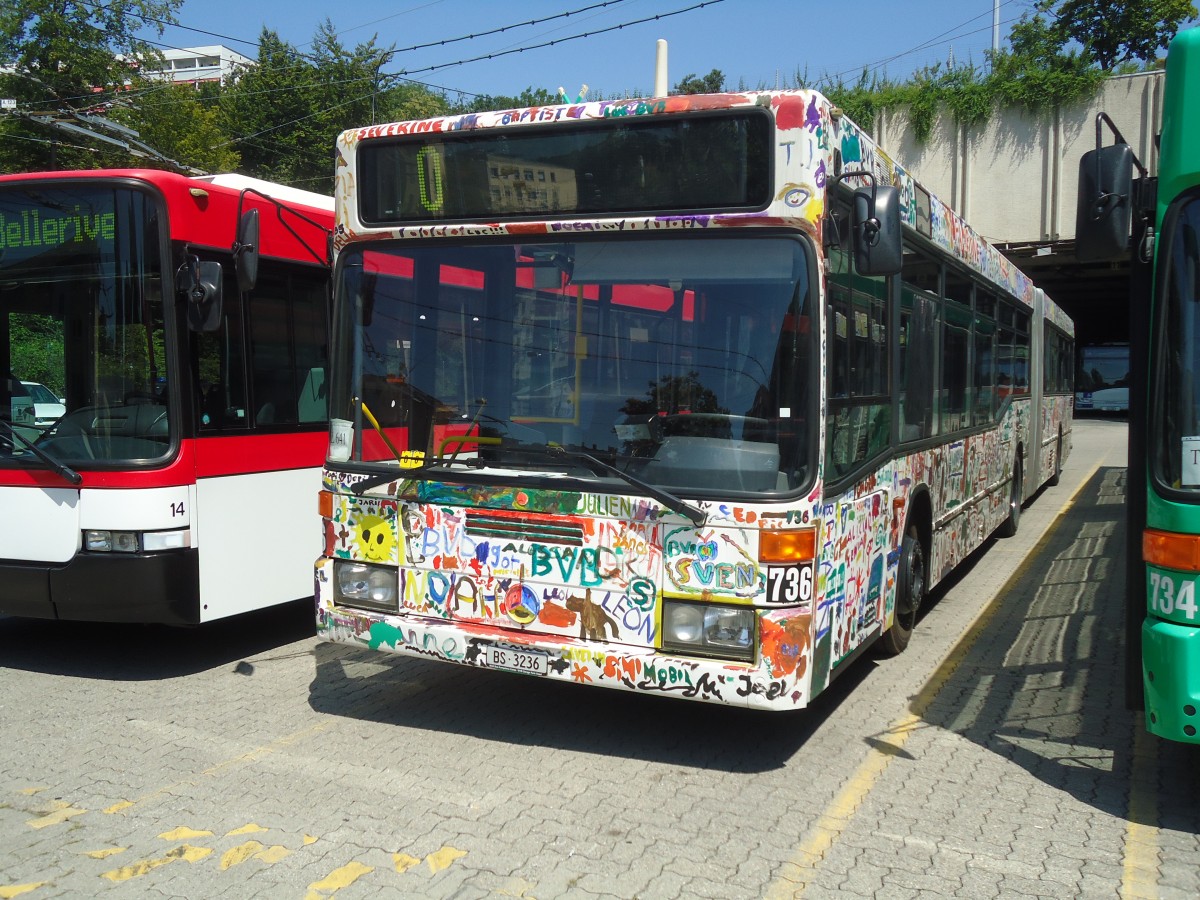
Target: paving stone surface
(995,758)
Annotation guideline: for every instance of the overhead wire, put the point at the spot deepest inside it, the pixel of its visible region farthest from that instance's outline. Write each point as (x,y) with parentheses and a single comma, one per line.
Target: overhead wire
(404,74)
(931,42)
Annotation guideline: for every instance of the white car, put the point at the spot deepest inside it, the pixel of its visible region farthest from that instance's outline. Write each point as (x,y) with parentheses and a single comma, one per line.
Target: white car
(47,408)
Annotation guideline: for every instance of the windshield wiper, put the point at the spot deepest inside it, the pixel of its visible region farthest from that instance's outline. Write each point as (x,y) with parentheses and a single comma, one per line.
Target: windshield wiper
(67,473)
(359,487)
(676,504)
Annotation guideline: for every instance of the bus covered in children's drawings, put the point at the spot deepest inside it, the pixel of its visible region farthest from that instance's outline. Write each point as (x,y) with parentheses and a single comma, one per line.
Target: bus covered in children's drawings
(181,324)
(694,396)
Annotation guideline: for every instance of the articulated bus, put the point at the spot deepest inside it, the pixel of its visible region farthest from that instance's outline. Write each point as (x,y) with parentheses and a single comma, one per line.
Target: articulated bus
(694,396)
(181,324)
(1159,217)
(1102,378)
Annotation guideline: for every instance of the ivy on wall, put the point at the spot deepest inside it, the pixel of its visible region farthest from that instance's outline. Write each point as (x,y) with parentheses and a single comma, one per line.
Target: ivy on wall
(969,94)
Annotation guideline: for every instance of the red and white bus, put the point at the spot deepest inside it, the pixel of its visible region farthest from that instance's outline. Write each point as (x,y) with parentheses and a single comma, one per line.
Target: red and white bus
(694,396)
(182,324)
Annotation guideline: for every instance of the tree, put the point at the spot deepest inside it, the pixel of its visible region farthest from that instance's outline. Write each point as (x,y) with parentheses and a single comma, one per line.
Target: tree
(1116,31)
(267,111)
(712,83)
(182,123)
(68,56)
(1038,71)
(285,113)
(531,96)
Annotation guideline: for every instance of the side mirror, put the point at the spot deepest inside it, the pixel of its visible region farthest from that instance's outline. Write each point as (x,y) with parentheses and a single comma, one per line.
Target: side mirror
(878,237)
(200,284)
(245,251)
(1104,209)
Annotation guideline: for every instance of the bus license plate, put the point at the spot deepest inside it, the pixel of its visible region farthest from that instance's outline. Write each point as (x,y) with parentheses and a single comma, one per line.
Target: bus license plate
(515,659)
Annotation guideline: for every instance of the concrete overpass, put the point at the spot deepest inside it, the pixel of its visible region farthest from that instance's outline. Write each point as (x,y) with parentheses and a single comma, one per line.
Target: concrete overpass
(1015,178)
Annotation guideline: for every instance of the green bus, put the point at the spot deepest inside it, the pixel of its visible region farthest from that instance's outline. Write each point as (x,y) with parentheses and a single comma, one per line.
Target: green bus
(1157,221)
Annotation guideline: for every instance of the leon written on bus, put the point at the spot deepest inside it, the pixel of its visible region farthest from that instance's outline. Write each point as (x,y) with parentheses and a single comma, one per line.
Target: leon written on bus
(180,327)
(695,397)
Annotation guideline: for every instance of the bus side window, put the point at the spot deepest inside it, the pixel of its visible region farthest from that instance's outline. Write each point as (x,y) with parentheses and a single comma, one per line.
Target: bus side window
(287,339)
(858,421)
(919,289)
(221,367)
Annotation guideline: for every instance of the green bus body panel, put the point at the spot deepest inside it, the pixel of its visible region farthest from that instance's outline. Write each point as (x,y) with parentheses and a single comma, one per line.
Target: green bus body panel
(1179,150)
(1171,640)
(1171,668)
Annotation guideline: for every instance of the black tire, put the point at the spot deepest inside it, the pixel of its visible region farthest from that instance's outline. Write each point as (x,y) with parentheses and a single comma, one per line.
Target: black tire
(1009,526)
(910,594)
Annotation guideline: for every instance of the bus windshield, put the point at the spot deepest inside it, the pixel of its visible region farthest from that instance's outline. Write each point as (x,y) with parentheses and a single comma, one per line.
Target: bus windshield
(81,318)
(686,363)
(1174,444)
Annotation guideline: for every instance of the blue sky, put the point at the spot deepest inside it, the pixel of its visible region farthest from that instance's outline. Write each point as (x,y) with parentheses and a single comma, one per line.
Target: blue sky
(753,42)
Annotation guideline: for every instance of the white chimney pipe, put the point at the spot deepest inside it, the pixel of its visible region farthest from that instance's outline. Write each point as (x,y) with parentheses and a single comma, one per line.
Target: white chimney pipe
(660,69)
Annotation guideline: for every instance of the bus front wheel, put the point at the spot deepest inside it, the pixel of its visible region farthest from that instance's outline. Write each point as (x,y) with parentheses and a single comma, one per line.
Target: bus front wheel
(910,593)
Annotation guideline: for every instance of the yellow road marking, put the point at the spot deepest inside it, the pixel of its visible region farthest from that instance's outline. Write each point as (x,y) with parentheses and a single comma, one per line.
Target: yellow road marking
(16,890)
(796,871)
(309,839)
(1139,879)
(442,859)
(341,877)
(403,862)
(245,829)
(185,852)
(29,792)
(251,756)
(107,852)
(183,833)
(57,816)
(252,850)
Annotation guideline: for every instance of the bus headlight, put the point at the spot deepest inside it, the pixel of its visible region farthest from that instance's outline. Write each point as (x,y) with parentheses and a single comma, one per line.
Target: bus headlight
(111,541)
(709,629)
(365,586)
(100,540)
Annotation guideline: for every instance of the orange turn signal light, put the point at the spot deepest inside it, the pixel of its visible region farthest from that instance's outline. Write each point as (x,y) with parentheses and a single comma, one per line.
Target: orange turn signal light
(787,546)
(1170,550)
(325,504)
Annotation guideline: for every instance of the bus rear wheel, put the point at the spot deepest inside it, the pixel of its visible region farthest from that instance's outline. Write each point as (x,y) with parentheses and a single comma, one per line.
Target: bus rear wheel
(910,594)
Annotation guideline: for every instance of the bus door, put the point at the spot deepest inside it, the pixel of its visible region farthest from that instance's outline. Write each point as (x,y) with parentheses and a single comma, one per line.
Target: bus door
(41,508)
(260,419)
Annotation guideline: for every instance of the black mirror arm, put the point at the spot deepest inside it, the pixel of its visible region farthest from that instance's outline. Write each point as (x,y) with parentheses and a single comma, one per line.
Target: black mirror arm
(280,209)
(1104,200)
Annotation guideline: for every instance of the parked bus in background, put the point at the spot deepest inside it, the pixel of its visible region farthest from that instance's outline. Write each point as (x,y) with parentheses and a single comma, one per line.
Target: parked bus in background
(694,396)
(1159,218)
(183,325)
(1102,382)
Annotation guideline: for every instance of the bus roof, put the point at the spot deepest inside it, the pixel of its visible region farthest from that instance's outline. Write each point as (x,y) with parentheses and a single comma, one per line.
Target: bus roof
(816,142)
(204,209)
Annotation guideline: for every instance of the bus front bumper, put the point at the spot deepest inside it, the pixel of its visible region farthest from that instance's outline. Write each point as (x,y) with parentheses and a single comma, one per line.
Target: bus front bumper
(159,588)
(1171,675)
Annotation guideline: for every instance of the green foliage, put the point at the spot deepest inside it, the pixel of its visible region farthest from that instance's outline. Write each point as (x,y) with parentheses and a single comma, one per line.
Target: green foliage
(176,120)
(36,344)
(1116,31)
(1036,73)
(712,83)
(285,113)
(68,56)
(487,102)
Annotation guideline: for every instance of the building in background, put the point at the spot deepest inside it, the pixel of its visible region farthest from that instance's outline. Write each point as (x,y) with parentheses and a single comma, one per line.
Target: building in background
(197,65)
